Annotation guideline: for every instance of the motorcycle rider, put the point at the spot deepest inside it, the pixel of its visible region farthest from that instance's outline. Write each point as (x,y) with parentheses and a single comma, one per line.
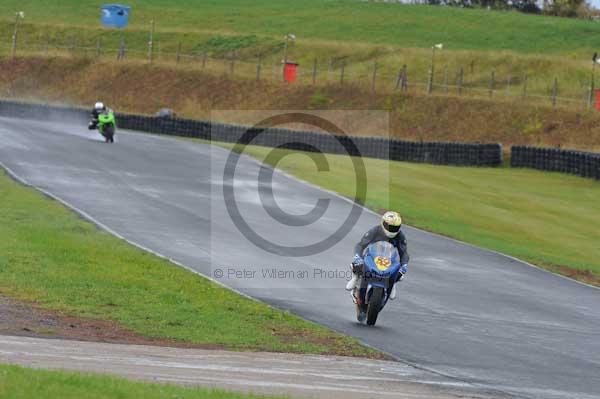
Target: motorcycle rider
(99,108)
(388,230)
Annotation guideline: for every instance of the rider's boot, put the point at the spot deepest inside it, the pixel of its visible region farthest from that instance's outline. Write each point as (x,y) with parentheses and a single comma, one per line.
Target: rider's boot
(352,283)
(393,293)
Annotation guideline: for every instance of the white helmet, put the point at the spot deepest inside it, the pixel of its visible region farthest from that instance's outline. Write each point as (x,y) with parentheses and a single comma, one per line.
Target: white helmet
(391,223)
(99,106)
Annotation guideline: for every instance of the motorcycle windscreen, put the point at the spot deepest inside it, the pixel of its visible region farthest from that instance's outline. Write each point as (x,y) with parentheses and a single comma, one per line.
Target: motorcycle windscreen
(106,117)
(384,255)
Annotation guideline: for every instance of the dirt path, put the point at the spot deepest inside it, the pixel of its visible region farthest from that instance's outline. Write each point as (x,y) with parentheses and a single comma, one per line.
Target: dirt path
(23,319)
(266,373)
(33,337)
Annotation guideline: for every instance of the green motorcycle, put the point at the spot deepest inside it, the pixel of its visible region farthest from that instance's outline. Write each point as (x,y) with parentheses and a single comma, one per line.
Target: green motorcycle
(106,125)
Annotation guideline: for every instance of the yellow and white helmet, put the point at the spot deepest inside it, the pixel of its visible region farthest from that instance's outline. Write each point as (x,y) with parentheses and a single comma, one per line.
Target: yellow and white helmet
(391,223)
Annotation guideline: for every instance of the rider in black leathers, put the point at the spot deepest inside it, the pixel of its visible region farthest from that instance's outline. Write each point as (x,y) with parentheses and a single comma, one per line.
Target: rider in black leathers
(97,110)
(388,230)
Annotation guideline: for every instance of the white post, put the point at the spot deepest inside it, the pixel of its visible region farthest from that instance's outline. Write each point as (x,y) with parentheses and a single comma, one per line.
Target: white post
(151,42)
(18,15)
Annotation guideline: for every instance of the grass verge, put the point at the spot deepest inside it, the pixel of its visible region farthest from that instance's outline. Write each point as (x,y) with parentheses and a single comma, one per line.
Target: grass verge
(548,219)
(50,257)
(24,383)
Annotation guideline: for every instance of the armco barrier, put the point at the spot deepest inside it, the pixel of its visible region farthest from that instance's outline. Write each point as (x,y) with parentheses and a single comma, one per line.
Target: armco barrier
(373,147)
(585,164)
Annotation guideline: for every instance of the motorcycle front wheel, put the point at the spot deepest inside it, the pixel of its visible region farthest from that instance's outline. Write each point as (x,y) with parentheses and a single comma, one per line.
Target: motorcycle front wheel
(374,306)
(361,313)
(109,133)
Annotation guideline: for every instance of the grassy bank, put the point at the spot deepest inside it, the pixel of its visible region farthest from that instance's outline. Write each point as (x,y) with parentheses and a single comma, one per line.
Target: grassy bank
(137,87)
(338,20)
(52,258)
(548,219)
(24,383)
(335,33)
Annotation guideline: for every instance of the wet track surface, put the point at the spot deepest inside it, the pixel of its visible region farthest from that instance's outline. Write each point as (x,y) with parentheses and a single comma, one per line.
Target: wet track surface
(465,313)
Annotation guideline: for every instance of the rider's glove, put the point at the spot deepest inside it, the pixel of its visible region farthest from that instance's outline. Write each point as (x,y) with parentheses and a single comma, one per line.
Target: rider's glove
(404,268)
(357,265)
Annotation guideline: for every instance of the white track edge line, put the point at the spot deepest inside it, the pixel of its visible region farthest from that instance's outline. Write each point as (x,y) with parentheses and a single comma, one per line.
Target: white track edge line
(102,226)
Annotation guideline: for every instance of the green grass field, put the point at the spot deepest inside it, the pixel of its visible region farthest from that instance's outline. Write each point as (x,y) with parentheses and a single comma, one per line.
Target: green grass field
(24,383)
(549,219)
(336,32)
(50,257)
(333,20)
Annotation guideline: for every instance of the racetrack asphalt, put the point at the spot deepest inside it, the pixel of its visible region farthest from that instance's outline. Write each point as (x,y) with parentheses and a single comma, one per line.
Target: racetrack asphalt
(465,313)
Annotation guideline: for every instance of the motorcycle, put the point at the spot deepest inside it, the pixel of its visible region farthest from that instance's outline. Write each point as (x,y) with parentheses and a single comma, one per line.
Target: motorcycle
(381,268)
(106,125)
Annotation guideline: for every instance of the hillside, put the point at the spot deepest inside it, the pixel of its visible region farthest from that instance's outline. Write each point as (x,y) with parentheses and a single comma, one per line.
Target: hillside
(137,87)
(512,66)
(334,20)
(508,51)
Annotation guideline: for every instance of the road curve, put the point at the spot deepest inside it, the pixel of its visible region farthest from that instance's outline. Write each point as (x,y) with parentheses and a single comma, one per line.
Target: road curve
(466,313)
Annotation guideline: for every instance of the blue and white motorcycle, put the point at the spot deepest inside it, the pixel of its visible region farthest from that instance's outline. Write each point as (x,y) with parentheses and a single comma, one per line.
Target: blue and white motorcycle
(381,268)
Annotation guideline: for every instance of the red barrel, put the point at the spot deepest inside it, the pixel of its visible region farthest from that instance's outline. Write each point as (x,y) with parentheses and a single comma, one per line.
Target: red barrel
(597,100)
(289,71)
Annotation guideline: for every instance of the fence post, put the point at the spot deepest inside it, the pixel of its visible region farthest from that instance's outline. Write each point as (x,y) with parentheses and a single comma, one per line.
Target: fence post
(203,59)
(178,56)
(373,79)
(461,75)
(151,42)
(342,72)
(508,79)
(72,46)
(258,67)
(430,81)
(98,47)
(314,72)
(398,79)
(47,45)
(121,49)
(404,85)
(492,82)
(446,78)
(554,91)
(329,69)
(18,15)
(524,94)
(232,65)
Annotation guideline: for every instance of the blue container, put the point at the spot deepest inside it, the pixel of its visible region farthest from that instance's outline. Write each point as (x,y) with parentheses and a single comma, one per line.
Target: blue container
(115,15)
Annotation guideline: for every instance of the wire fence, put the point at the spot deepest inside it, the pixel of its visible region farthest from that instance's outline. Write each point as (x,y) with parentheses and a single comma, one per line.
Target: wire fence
(370,76)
